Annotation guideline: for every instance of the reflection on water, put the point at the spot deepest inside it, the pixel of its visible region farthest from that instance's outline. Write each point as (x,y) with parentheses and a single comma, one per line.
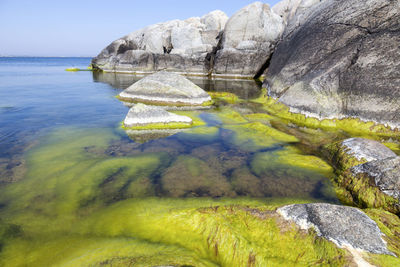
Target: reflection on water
(245,89)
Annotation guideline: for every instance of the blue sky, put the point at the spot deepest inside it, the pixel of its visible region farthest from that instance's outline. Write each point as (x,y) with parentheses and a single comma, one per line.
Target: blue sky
(83,28)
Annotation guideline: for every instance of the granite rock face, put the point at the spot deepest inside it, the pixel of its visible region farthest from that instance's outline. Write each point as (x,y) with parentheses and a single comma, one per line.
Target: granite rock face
(344,226)
(341,61)
(248,40)
(210,45)
(142,115)
(175,45)
(165,88)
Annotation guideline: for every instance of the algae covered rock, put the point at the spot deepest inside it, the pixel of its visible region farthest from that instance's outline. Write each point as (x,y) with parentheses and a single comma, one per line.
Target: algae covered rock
(353,151)
(144,116)
(369,171)
(375,183)
(344,226)
(165,88)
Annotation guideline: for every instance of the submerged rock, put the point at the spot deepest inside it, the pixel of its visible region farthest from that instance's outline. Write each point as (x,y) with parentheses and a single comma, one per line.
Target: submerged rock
(347,227)
(342,61)
(141,115)
(165,88)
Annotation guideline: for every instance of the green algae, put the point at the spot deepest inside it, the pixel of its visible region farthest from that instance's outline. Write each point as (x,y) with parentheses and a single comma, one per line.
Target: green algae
(189,176)
(203,134)
(224,96)
(365,194)
(287,172)
(256,135)
(395,147)
(78,69)
(353,126)
(88,209)
(228,115)
(338,155)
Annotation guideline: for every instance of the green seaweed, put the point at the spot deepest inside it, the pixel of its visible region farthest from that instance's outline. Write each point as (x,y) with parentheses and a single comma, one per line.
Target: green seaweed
(353,126)
(224,96)
(256,135)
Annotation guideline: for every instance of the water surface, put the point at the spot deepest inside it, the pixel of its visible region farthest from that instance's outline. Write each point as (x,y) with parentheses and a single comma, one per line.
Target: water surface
(65,162)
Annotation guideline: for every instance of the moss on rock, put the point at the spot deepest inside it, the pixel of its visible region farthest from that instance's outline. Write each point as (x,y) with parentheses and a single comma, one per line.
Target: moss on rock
(350,125)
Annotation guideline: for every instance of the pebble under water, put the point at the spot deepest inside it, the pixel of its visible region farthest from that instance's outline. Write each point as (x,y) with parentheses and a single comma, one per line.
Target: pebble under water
(73,183)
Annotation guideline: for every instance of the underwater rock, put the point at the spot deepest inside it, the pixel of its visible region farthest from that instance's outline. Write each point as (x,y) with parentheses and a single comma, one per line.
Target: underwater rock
(142,116)
(354,74)
(347,227)
(248,41)
(165,88)
(353,151)
(189,176)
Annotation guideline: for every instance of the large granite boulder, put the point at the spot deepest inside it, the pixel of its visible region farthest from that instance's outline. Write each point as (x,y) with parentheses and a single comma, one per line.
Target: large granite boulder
(347,227)
(248,40)
(342,61)
(294,9)
(210,45)
(141,115)
(165,88)
(175,45)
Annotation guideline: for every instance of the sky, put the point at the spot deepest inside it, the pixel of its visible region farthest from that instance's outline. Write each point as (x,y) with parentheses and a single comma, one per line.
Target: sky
(85,27)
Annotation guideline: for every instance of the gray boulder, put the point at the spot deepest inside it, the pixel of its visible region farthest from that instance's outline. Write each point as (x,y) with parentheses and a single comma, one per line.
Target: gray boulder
(347,227)
(176,45)
(385,174)
(354,151)
(248,40)
(342,61)
(142,115)
(165,88)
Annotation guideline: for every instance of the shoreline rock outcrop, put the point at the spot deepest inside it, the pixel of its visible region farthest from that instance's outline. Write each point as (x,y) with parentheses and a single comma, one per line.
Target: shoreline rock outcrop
(341,61)
(209,46)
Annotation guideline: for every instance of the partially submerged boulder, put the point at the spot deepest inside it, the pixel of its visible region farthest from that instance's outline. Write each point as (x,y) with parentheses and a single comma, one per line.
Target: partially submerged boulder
(166,88)
(375,184)
(369,171)
(347,227)
(142,116)
(341,61)
(353,151)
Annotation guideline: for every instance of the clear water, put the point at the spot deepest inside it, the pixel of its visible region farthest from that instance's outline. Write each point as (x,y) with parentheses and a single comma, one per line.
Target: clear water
(63,156)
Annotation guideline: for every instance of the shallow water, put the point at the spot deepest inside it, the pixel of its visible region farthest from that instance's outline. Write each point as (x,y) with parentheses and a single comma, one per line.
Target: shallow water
(65,161)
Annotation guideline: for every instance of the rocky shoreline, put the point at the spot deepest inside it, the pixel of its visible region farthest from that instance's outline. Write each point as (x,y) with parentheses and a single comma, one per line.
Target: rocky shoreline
(327,64)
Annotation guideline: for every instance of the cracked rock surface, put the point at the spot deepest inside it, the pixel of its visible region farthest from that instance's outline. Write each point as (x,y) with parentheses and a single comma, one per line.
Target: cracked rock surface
(345,226)
(342,60)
